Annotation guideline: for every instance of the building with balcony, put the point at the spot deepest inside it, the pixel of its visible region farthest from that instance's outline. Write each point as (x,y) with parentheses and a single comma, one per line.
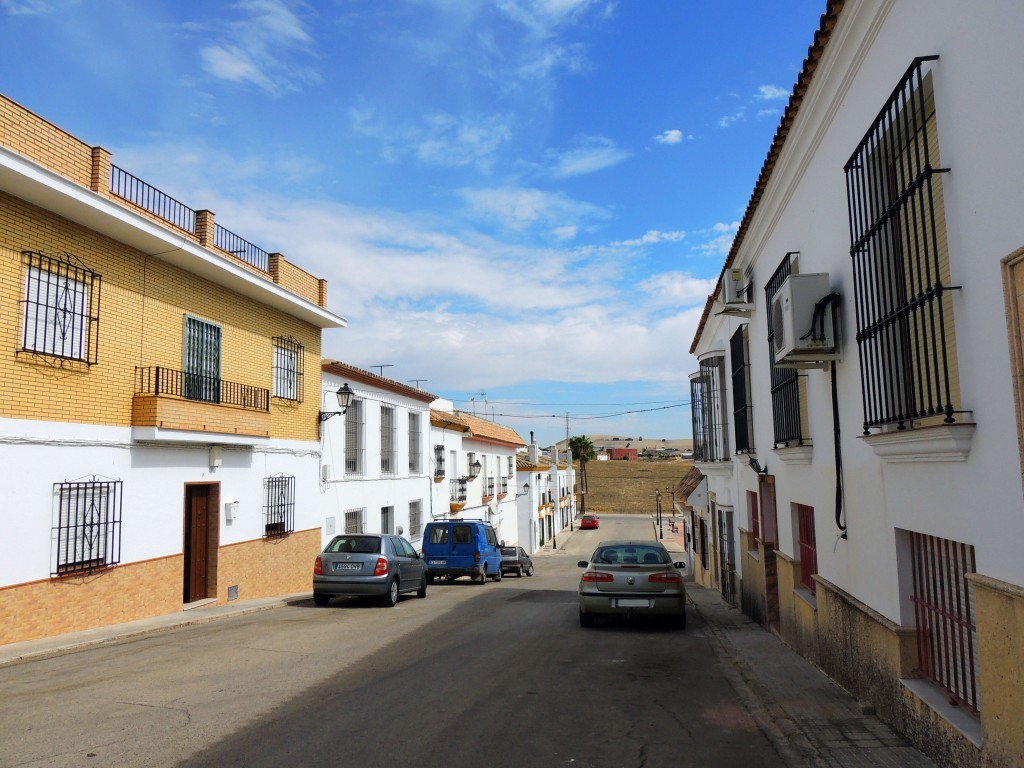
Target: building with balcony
(858,367)
(547,496)
(160,389)
(376,474)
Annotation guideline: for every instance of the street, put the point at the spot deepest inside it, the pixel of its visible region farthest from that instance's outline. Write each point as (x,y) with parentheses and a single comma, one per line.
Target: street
(502,667)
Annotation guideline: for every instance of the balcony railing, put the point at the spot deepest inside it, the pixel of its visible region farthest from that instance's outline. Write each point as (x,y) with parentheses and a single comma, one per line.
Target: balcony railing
(457,490)
(239,247)
(156,380)
(151,199)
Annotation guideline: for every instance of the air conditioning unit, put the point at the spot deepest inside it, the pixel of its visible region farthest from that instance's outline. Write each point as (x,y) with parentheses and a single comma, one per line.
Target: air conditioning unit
(798,341)
(735,296)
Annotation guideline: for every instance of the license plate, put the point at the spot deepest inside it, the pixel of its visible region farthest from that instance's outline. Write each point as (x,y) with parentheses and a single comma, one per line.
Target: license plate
(628,602)
(347,566)
(438,562)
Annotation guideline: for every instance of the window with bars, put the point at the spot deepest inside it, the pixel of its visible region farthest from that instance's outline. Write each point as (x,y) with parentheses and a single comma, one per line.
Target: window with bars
(438,461)
(354,438)
(944,615)
(457,490)
(288,365)
(60,311)
(415,460)
(808,551)
(202,360)
(901,273)
(387,440)
(354,520)
(415,519)
(511,465)
(87,533)
(787,398)
(707,396)
(278,505)
(471,471)
(742,412)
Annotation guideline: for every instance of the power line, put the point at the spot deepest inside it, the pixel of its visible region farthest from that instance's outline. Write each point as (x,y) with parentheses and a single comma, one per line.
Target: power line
(578,405)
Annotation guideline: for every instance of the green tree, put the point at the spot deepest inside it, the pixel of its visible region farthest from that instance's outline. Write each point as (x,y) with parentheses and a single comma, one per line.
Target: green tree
(583,451)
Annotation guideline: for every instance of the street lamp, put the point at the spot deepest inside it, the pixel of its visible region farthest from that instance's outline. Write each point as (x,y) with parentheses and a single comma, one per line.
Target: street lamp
(657,508)
(344,395)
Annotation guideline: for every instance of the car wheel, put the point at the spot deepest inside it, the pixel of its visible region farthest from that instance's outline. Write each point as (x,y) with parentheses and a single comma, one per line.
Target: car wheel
(321,599)
(497,575)
(586,619)
(422,591)
(391,596)
(482,578)
(529,571)
(519,571)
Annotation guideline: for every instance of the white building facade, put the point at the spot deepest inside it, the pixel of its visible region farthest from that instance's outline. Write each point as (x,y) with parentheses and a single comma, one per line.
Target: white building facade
(856,407)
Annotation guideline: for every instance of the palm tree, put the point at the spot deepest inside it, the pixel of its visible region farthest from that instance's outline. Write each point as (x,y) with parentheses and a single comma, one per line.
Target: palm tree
(583,450)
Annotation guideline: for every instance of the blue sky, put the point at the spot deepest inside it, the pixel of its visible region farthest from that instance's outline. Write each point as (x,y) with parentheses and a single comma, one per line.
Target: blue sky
(521,202)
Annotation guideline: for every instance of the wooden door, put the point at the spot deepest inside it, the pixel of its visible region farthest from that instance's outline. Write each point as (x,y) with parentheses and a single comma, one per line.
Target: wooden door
(197,512)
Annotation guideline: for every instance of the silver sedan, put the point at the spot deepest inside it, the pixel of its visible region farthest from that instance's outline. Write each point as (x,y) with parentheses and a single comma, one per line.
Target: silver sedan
(632,578)
(378,565)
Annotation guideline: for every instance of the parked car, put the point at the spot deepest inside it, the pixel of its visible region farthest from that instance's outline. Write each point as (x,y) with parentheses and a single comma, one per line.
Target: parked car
(589,522)
(632,578)
(453,548)
(375,565)
(515,560)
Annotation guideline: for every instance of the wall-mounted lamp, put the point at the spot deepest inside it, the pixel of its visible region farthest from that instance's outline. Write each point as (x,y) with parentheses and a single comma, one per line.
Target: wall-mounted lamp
(344,401)
(526,490)
(755,465)
(474,468)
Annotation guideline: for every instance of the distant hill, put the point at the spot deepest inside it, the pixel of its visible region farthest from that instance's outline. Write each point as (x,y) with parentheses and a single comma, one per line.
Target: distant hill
(641,443)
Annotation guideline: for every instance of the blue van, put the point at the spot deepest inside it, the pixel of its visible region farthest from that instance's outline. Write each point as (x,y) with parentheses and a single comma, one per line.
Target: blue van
(454,548)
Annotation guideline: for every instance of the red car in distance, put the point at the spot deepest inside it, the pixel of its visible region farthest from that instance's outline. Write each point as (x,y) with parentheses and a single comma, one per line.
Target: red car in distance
(589,521)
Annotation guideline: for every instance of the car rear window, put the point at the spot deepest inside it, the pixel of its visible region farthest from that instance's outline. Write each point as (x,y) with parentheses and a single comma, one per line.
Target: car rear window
(508,551)
(632,554)
(463,534)
(364,544)
(439,534)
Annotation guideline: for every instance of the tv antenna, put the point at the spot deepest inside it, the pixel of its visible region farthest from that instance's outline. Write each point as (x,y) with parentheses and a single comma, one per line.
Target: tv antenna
(382,367)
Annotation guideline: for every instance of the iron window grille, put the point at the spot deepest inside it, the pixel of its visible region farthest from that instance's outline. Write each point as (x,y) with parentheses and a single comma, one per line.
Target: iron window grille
(278,505)
(490,486)
(727,556)
(742,410)
(901,273)
(354,520)
(387,440)
(87,533)
(415,460)
(415,519)
(944,614)
(710,440)
(786,396)
(705,559)
(60,311)
(511,466)
(457,490)
(354,438)
(438,461)
(289,360)
(808,547)
(504,485)
(202,360)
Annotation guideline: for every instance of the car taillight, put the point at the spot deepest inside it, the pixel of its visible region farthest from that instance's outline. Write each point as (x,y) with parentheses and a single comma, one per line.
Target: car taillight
(382,567)
(318,566)
(672,577)
(597,576)
(476,557)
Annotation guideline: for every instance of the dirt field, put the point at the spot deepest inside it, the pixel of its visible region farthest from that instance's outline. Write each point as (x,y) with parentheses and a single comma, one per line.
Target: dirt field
(627,487)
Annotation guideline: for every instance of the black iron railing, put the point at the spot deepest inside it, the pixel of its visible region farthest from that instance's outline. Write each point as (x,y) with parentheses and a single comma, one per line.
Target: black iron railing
(157,380)
(239,247)
(785,381)
(742,411)
(88,530)
(710,440)
(457,490)
(279,505)
(900,261)
(151,199)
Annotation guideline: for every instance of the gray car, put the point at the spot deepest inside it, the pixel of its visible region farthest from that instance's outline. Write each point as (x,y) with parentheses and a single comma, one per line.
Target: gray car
(632,578)
(368,565)
(515,560)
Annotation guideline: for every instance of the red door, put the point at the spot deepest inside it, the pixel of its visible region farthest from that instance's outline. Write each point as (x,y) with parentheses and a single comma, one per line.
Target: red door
(197,521)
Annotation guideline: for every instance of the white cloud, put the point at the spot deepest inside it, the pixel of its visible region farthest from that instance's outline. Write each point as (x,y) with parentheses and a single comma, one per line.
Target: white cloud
(673,136)
(519,208)
(595,154)
(653,236)
(765,113)
(719,239)
(260,48)
(727,121)
(771,93)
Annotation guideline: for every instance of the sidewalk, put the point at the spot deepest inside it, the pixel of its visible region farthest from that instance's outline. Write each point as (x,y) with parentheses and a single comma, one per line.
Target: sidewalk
(810,720)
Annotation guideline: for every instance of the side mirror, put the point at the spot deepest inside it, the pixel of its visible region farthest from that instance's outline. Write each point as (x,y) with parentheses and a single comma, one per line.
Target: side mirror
(582,563)
(681,565)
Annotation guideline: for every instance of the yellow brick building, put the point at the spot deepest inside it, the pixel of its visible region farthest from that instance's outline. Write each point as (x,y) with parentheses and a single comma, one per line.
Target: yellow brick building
(159,395)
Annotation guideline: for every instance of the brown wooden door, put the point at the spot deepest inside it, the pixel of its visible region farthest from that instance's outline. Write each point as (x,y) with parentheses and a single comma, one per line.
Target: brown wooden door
(197,511)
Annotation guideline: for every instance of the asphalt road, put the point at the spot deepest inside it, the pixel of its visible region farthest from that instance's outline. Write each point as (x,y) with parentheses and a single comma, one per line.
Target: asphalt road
(499,674)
